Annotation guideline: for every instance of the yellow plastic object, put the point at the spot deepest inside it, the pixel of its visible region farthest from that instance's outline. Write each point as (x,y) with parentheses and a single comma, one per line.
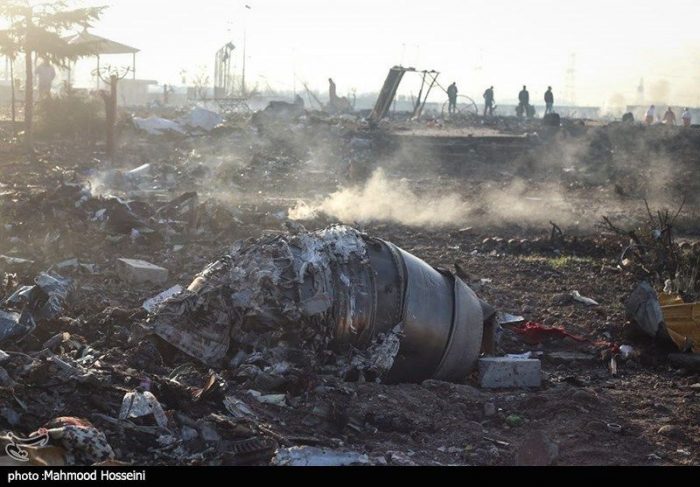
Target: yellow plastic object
(682,321)
(667,299)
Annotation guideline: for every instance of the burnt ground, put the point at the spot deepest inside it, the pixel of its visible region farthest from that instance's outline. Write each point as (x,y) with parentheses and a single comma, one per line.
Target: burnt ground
(245,184)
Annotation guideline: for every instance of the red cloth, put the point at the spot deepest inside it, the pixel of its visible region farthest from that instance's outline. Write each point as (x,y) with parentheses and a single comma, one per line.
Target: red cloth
(534,333)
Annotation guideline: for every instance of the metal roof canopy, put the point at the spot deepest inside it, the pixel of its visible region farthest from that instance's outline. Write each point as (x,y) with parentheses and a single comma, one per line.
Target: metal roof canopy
(102,46)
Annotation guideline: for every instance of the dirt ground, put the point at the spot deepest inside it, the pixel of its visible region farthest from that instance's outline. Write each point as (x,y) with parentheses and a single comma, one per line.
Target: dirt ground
(506,193)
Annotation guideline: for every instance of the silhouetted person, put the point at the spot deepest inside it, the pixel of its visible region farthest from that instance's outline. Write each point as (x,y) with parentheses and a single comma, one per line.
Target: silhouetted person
(524,99)
(669,117)
(650,115)
(686,117)
(45,74)
(488,101)
(452,98)
(548,100)
(332,94)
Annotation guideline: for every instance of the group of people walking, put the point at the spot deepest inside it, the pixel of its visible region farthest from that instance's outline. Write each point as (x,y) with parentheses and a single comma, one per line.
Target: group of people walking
(523,109)
(669,117)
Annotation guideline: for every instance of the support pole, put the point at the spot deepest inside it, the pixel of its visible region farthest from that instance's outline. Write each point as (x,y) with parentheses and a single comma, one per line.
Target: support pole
(12,94)
(111,115)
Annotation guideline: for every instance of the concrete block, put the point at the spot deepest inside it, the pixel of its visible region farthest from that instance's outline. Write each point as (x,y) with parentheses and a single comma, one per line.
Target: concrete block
(137,271)
(504,372)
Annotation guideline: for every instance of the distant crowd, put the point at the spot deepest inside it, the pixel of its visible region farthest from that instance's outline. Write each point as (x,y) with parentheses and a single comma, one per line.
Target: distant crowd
(669,117)
(525,109)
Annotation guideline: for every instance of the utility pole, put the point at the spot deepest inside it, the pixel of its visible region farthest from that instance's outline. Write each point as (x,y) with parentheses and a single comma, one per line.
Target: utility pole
(245,30)
(571,80)
(111,105)
(243,67)
(12,95)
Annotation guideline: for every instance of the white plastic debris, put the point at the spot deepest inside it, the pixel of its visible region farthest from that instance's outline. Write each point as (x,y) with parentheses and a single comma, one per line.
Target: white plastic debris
(201,118)
(138,172)
(142,403)
(583,299)
(5,259)
(626,351)
(309,456)
(99,214)
(668,286)
(508,319)
(157,125)
(151,304)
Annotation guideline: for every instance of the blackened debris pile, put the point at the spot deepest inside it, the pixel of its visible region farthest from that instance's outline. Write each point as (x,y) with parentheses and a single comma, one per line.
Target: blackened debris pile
(334,301)
(29,305)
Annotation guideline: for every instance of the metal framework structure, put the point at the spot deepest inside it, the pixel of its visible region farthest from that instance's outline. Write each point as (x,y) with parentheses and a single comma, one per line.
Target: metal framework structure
(391,85)
(103,46)
(223,80)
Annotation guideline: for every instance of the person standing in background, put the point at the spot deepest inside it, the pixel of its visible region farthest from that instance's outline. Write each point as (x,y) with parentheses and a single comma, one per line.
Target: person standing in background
(650,115)
(686,117)
(452,98)
(332,93)
(488,101)
(669,117)
(45,74)
(524,99)
(548,101)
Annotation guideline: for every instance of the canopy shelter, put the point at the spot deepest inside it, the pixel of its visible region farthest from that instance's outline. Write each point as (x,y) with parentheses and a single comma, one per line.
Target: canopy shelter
(103,46)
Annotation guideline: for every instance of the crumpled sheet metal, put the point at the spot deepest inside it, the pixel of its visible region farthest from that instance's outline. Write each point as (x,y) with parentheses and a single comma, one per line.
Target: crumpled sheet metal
(28,305)
(136,404)
(10,325)
(309,456)
(258,286)
(331,298)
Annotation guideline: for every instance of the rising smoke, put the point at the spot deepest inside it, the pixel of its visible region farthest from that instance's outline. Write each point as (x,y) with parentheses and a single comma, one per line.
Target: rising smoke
(382,199)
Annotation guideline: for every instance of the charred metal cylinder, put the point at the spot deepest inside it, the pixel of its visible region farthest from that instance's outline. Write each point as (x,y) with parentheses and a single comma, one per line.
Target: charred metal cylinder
(388,312)
(442,317)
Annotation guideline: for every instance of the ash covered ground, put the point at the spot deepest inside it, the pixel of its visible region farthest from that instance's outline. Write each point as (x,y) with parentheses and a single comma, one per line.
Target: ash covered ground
(517,217)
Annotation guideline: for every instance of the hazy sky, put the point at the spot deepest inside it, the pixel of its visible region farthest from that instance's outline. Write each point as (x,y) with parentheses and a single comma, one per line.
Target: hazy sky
(506,43)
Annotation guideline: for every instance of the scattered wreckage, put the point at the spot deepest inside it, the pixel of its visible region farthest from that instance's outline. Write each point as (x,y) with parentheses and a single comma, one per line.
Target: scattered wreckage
(336,300)
(198,120)
(289,320)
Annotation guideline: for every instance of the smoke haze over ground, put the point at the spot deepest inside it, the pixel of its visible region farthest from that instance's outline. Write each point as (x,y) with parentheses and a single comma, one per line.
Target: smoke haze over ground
(382,199)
